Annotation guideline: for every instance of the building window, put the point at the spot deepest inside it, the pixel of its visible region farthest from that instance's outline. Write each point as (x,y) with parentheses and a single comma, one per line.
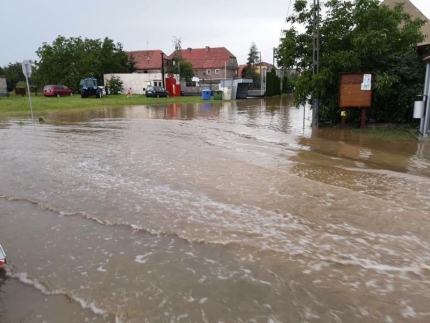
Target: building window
(217,71)
(208,72)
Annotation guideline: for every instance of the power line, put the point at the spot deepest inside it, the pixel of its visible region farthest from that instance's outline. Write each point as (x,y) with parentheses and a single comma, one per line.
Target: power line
(288,12)
(264,50)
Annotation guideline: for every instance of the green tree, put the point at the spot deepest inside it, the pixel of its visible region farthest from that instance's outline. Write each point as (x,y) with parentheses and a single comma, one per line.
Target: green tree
(67,60)
(356,36)
(273,84)
(131,64)
(253,55)
(13,72)
(115,85)
(250,70)
(184,68)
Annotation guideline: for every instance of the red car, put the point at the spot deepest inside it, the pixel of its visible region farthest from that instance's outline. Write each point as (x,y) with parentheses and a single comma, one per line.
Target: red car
(56,90)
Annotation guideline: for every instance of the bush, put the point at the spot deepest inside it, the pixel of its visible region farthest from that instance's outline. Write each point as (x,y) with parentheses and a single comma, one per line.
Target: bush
(21,84)
(115,85)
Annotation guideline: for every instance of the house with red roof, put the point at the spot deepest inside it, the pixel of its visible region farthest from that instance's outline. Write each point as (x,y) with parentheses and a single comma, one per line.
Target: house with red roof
(263,66)
(210,64)
(149,61)
(149,71)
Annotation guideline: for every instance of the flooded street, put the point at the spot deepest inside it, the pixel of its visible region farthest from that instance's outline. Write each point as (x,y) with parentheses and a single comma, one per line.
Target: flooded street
(217,212)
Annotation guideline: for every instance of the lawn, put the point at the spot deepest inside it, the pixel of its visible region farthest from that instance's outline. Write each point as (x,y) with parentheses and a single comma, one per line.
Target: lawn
(18,105)
(391,133)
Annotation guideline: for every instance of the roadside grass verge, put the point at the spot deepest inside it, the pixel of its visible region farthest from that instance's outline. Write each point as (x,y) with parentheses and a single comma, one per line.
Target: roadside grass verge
(389,133)
(16,105)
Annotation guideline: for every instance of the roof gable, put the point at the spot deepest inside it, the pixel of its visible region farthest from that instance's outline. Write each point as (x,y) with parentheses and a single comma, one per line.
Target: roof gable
(415,13)
(147,59)
(203,58)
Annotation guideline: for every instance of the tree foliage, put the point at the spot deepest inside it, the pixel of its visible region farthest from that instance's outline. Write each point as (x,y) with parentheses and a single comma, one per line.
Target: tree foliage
(253,55)
(250,70)
(67,60)
(185,68)
(356,36)
(13,73)
(180,66)
(115,85)
(273,84)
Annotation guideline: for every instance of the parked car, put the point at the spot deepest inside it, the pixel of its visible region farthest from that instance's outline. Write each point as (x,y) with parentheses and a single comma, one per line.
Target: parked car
(56,90)
(156,92)
(2,256)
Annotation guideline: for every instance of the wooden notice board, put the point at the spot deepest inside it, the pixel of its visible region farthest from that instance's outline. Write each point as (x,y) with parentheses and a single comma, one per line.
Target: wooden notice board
(355,90)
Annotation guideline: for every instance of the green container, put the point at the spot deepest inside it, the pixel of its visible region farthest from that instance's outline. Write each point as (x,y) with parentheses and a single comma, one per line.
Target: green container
(217,95)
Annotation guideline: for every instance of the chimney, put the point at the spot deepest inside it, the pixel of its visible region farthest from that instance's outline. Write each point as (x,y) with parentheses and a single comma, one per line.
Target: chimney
(207,48)
(189,49)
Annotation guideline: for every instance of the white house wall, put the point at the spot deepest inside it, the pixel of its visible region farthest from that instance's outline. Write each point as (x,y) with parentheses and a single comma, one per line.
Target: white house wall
(137,81)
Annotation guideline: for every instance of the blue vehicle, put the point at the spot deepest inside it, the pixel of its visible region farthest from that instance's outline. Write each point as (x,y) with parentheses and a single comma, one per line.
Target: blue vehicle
(88,87)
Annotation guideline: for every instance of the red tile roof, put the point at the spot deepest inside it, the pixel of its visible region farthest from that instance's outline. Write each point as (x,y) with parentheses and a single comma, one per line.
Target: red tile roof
(203,58)
(147,59)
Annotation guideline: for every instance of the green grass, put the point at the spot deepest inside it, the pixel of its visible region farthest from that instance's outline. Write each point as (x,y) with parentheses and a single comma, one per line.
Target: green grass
(389,133)
(17,105)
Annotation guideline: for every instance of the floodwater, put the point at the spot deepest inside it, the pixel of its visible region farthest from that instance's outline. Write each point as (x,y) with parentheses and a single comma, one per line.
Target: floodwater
(217,212)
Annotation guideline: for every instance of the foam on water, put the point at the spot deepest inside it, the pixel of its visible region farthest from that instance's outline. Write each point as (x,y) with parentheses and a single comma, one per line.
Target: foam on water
(26,279)
(364,231)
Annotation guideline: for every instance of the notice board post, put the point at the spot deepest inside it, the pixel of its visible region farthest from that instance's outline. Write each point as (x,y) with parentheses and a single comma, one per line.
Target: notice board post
(355,91)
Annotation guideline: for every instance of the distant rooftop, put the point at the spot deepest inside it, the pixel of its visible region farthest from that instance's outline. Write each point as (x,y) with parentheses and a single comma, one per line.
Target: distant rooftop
(147,59)
(207,57)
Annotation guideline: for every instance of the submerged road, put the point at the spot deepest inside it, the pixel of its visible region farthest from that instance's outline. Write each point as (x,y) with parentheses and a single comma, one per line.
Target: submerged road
(218,212)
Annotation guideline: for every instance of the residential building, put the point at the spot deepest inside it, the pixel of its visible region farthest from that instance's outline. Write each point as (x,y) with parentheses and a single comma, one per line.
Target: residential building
(210,64)
(149,61)
(265,67)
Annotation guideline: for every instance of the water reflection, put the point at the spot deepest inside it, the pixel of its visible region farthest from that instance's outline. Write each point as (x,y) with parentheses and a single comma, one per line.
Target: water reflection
(274,121)
(348,149)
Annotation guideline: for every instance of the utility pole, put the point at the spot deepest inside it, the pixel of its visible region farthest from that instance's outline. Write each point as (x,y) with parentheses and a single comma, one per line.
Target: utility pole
(273,56)
(316,58)
(261,77)
(178,49)
(162,69)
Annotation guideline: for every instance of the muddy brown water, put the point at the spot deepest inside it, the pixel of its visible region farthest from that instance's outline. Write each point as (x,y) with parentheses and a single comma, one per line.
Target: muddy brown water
(214,212)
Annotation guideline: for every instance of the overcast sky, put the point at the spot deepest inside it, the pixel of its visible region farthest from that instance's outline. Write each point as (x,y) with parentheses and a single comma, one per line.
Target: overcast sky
(139,25)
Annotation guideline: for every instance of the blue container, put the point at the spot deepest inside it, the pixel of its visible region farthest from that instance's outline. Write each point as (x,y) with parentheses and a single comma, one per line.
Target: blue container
(206,94)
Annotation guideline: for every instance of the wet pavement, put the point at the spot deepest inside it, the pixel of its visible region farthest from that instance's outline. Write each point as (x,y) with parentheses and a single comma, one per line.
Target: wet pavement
(213,212)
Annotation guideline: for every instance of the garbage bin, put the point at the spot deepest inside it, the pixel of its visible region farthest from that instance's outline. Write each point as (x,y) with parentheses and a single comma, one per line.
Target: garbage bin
(217,95)
(206,94)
